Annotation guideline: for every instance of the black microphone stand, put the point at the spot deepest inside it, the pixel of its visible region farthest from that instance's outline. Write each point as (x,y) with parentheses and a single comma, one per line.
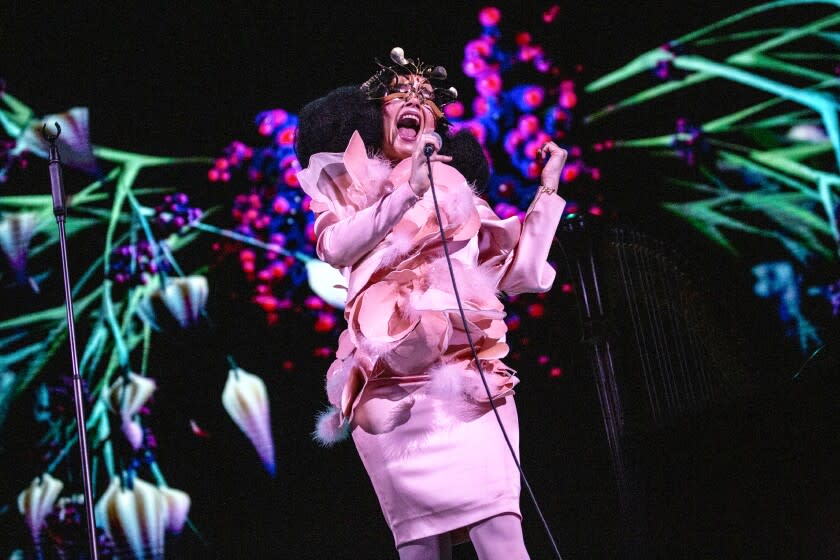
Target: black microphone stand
(60,211)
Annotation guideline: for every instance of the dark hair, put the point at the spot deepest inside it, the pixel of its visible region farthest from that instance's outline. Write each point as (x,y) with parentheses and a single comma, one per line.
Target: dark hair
(327,123)
(467,157)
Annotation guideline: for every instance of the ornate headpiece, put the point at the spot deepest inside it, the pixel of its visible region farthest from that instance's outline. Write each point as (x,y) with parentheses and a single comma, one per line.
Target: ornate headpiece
(384,85)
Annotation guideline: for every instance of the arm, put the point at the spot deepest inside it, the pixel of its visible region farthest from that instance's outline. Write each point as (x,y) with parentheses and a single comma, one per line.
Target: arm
(344,236)
(528,270)
(342,242)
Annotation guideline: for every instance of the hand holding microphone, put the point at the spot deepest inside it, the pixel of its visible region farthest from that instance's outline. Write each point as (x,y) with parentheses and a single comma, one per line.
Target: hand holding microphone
(427,147)
(431,147)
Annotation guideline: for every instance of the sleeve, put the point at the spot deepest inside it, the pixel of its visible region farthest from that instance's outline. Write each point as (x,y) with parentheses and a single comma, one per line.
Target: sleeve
(343,241)
(351,218)
(518,254)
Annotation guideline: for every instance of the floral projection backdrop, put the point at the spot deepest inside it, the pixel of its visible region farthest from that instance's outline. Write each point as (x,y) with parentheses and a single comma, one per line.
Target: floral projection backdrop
(767,169)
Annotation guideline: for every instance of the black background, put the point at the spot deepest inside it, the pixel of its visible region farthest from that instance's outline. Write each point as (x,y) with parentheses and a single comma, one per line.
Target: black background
(179,79)
(185,79)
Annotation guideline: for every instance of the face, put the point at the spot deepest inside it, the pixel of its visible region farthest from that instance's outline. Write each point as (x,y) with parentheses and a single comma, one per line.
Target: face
(408,111)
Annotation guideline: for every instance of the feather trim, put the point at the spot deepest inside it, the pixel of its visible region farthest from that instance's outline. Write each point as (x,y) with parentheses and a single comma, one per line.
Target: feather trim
(400,243)
(446,382)
(459,204)
(378,169)
(329,430)
(475,284)
(374,348)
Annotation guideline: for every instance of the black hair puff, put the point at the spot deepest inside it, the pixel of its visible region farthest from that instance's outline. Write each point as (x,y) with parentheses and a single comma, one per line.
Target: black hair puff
(468,158)
(327,123)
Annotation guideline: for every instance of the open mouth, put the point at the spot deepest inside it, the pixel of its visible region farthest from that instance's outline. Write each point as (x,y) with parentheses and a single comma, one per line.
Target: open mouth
(408,126)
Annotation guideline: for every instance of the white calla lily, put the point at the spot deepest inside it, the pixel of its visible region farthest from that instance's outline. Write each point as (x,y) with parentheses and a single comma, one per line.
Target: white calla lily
(183,298)
(126,398)
(135,517)
(37,501)
(246,400)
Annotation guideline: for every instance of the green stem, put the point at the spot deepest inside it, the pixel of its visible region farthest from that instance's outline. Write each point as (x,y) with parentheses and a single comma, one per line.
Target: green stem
(758,60)
(127,176)
(110,317)
(748,13)
(71,442)
(53,314)
(158,249)
(147,344)
(144,160)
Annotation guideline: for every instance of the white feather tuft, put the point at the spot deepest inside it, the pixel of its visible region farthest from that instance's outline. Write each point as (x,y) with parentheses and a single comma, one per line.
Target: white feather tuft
(374,348)
(459,204)
(446,382)
(329,430)
(400,243)
(475,284)
(378,169)
(485,280)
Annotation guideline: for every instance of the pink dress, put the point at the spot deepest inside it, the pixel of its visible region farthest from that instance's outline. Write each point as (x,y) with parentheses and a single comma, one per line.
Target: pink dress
(403,381)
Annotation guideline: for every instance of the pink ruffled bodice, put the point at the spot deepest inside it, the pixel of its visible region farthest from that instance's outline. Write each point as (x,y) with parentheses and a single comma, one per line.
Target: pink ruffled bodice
(402,315)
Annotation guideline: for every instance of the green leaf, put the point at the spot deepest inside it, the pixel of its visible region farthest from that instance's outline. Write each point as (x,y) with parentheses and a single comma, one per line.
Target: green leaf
(52,314)
(9,359)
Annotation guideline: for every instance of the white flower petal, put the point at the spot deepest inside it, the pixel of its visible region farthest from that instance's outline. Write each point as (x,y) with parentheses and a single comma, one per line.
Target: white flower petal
(16,231)
(126,399)
(246,400)
(135,517)
(37,502)
(178,506)
(327,283)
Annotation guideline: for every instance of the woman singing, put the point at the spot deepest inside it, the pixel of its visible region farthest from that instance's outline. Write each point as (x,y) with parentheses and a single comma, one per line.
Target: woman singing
(405,384)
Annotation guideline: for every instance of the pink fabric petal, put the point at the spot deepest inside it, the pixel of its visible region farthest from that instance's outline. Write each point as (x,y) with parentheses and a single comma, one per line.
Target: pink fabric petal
(422,347)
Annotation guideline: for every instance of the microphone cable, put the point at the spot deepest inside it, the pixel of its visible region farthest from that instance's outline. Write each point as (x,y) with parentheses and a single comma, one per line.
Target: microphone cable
(428,153)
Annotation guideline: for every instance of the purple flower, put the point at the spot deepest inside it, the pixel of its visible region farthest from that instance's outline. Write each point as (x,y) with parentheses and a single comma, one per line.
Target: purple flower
(688,142)
(133,264)
(16,231)
(175,213)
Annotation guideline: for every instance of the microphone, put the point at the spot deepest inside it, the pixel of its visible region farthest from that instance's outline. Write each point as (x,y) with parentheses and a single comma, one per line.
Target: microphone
(430,148)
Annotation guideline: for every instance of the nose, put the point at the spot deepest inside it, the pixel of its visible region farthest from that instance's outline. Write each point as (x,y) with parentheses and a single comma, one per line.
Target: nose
(413,98)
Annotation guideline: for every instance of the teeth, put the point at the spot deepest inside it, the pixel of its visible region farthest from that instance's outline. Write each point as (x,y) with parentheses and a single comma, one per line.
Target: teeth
(409,119)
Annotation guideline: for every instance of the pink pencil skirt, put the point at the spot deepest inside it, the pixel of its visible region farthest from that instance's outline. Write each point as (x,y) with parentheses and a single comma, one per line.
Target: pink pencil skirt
(437,464)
